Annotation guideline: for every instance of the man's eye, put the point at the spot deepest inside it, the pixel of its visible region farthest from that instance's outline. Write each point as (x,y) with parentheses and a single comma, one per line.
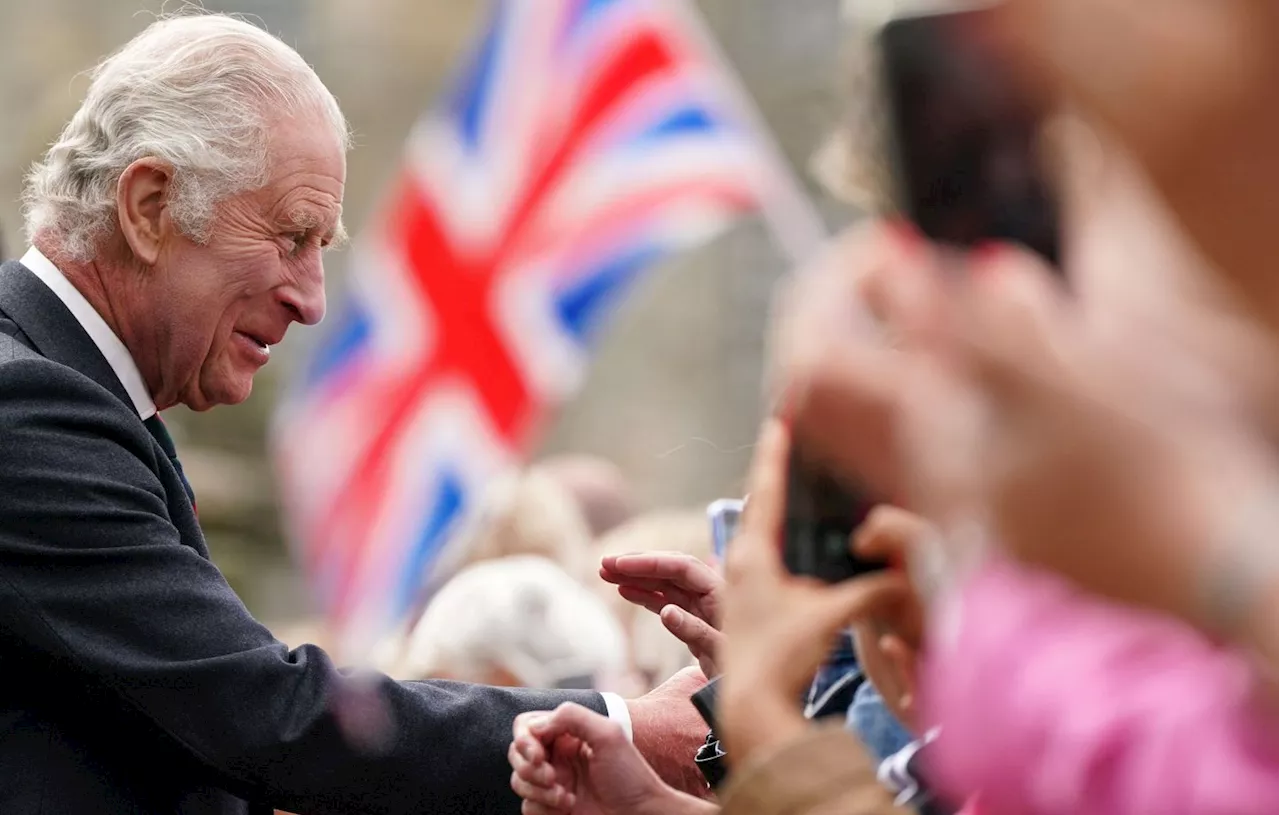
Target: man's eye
(297,240)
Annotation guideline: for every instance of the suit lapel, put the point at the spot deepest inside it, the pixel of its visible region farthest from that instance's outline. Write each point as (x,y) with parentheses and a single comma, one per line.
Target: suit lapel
(56,334)
(52,328)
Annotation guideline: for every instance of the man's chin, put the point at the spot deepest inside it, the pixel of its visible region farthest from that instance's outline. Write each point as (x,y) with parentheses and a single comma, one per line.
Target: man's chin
(231,392)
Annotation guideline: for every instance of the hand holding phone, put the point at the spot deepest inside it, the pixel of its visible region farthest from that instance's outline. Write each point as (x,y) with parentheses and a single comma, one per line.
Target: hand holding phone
(821,515)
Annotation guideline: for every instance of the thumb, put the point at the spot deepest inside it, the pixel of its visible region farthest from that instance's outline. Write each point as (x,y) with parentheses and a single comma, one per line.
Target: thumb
(862,597)
(704,641)
(889,533)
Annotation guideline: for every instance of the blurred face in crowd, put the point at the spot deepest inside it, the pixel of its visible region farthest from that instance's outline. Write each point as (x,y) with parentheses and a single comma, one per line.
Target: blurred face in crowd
(202,317)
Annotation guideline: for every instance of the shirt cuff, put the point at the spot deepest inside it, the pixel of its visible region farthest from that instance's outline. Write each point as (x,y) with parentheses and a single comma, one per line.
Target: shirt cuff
(617,710)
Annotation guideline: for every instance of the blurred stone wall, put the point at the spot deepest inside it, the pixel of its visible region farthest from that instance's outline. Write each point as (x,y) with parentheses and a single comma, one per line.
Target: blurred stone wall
(674,393)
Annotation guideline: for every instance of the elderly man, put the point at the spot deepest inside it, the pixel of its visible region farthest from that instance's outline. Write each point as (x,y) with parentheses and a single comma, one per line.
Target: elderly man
(177,227)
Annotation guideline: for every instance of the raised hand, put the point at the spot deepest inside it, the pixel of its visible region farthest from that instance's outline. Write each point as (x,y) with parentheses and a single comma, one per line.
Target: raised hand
(681,589)
(778,627)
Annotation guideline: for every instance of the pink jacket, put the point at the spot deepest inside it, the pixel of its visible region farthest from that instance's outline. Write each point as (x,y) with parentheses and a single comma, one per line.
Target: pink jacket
(1053,702)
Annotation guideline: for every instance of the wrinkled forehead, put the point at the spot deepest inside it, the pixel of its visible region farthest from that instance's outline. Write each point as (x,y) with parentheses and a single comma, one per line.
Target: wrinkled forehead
(307,170)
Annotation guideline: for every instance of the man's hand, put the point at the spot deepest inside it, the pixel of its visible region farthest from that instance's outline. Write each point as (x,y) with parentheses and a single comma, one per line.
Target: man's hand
(668,731)
(681,589)
(575,761)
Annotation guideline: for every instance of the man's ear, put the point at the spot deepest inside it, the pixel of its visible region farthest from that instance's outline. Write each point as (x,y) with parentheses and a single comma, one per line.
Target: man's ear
(142,204)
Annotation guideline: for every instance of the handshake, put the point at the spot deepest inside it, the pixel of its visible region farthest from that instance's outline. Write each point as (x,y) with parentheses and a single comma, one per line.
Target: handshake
(765,630)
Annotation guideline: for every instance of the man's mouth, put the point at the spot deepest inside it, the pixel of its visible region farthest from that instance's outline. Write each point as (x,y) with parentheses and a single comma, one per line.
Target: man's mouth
(264,343)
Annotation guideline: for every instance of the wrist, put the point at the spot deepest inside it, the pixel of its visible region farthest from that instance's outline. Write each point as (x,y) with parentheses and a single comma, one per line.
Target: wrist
(664,748)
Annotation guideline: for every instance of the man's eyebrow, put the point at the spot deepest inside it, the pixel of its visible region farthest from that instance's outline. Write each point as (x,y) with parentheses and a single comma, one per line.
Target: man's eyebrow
(305,219)
(339,237)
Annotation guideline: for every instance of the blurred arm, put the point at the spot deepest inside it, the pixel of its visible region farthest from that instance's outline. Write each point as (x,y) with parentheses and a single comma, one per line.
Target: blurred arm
(825,771)
(1055,702)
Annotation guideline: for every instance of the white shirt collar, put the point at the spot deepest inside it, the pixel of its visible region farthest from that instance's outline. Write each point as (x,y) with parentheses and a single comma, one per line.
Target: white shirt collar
(118,357)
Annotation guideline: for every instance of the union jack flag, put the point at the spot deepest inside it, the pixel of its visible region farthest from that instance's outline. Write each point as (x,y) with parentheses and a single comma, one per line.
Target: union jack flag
(585,140)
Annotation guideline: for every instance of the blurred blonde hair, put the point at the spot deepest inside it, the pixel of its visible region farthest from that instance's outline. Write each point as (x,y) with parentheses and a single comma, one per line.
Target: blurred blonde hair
(523,616)
(531,514)
(654,653)
(852,163)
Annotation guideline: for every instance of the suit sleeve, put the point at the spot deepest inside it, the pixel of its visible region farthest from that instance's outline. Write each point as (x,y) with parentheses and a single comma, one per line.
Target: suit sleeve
(95,580)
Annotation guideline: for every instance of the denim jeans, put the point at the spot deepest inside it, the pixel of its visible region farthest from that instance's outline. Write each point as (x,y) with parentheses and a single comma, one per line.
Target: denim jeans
(839,688)
(835,683)
(869,718)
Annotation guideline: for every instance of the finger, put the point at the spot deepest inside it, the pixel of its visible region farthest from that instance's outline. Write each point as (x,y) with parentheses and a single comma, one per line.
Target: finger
(531,808)
(516,759)
(875,663)
(888,533)
(552,797)
(902,658)
(902,294)
(1003,323)
(575,720)
(529,746)
(655,601)
(539,773)
(756,549)
(860,599)
(680,569)
(702,638)
(652,600)
(677,595)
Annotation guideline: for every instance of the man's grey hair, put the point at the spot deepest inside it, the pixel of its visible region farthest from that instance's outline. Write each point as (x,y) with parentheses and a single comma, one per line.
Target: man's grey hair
(200,92)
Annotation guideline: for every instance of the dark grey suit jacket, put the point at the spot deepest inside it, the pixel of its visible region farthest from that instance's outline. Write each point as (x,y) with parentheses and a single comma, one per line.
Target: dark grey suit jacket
(133,679)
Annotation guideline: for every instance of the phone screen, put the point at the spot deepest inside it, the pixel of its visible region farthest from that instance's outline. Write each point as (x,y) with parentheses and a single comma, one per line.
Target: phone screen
(966,138)
(821,514)
(724,516)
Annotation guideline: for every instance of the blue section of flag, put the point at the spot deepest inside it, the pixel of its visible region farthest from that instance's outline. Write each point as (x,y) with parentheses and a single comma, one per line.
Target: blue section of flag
(686,120)
(347,334)
(582,305)
(446,505)
(470,100)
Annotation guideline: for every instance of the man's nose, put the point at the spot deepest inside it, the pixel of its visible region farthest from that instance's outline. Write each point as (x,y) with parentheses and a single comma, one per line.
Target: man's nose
(304,298)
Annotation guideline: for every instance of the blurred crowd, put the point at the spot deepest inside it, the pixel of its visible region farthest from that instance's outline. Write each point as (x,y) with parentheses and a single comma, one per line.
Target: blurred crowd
(1082,462)
(527,607)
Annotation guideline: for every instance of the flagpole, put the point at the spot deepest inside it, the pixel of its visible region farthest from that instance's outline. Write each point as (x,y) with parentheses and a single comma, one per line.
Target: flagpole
(790,213)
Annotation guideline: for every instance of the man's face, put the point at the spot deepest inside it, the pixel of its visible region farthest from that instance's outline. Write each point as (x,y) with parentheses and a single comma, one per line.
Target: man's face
(216,309)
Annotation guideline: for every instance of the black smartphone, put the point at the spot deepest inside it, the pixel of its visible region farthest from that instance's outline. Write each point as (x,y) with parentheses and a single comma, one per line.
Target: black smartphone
(821,513)
(965,139)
